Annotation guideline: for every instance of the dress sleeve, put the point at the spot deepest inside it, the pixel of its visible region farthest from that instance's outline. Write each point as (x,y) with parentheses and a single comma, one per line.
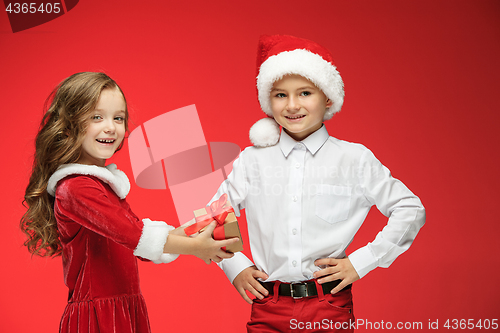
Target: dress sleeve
(393,199)
(86,201)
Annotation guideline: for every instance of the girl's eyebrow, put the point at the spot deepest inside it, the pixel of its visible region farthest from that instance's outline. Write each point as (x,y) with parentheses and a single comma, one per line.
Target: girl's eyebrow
(100,110)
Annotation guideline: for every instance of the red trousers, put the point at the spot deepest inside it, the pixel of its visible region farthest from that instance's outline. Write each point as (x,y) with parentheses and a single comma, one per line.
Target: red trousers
(322,313)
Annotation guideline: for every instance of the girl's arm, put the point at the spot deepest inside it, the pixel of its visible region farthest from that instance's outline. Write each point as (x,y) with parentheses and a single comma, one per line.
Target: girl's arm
(85,201)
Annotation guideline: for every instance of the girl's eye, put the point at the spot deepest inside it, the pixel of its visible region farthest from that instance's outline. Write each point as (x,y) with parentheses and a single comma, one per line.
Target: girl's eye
(305,93)
(96,117)
(119,118)
(280,95)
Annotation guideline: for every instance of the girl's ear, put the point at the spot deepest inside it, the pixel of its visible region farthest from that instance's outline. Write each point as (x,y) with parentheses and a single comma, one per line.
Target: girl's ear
(329,102)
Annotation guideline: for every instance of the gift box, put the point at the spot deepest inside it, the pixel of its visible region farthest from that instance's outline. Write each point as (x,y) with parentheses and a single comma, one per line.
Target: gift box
(227,225)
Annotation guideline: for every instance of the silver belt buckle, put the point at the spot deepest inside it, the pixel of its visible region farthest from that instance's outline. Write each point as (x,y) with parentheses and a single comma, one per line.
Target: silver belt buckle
(292,294)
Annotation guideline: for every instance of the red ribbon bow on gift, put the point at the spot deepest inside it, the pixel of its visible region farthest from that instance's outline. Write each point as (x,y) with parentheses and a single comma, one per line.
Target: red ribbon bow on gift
(216,211)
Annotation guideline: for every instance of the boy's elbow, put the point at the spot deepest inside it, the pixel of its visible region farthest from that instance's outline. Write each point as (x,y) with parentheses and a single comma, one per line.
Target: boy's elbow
(421,216)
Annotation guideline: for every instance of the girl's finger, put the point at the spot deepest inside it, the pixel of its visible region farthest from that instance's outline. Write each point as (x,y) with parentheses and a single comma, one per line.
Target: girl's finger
(209,229)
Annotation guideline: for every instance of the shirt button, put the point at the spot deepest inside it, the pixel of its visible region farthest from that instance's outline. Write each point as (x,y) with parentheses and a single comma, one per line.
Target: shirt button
(294,198)
(297,165)
(294,263)
(294,231)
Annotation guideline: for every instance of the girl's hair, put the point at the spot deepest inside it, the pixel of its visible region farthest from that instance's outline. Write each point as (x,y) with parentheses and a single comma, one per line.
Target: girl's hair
(58,142)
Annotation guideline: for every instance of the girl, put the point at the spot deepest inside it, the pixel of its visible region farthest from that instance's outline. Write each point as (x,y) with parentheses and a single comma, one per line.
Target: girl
(76,207)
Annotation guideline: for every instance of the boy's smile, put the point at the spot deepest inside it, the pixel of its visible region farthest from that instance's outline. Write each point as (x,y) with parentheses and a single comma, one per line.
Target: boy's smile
(298,105)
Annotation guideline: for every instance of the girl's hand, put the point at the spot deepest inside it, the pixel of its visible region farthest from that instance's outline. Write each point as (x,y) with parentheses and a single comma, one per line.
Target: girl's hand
(208,249)
(337,269)
(247,280)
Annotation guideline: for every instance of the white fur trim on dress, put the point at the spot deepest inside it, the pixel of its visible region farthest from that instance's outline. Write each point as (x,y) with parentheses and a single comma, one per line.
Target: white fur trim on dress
(265,133)
(304,63)
(152,241)
(116,179)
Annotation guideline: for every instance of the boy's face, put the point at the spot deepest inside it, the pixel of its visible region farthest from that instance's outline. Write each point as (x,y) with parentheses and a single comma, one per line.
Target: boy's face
(298,105)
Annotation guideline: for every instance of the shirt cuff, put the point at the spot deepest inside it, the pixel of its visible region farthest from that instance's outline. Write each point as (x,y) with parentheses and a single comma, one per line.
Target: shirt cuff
(235,265)
(363,261)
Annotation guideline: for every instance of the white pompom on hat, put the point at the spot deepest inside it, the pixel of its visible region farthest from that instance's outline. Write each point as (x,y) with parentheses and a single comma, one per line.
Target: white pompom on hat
(281,55)
(265,132)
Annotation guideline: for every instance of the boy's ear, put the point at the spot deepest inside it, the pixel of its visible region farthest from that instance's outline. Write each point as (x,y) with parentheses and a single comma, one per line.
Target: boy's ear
(329,102)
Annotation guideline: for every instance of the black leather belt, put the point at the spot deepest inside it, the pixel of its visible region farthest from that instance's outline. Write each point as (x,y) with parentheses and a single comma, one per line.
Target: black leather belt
(301,289)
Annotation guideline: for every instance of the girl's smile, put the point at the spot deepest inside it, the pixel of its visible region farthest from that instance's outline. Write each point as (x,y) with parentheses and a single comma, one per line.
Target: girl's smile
(106,141)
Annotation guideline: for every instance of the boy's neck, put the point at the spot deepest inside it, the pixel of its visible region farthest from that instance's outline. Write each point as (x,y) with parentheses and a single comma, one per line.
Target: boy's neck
(298,137)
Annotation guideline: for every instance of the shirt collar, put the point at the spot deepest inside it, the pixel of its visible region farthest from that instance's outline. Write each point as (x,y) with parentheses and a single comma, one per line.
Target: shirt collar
(313,142)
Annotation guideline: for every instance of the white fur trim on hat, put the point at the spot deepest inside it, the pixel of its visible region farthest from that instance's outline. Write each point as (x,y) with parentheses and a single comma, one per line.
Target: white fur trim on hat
(265,133)
(304,63)
(116,179)
(152,241)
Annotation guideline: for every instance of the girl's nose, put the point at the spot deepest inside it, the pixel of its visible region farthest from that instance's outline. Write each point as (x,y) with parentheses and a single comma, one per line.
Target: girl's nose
(110,127)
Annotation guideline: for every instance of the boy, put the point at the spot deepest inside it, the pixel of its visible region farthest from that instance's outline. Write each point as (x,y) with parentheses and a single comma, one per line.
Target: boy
(306,194)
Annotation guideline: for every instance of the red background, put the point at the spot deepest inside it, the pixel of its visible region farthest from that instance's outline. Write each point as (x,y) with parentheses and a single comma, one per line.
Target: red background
(422,86)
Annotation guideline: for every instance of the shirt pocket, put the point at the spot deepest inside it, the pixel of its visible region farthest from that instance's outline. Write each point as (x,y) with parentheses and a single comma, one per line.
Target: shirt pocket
(333,203)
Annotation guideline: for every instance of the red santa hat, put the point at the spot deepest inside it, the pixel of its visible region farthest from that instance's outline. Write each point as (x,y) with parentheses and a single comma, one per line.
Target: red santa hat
(280,55)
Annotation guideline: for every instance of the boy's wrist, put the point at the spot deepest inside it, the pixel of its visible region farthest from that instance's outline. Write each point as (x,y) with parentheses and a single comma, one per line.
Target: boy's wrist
(363,261)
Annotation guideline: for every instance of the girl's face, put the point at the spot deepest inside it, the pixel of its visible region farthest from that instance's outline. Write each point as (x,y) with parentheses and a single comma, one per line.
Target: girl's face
(105,130)
(298,105)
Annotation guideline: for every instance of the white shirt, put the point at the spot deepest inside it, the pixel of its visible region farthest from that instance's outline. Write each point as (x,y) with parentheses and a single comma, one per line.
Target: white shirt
(306,200)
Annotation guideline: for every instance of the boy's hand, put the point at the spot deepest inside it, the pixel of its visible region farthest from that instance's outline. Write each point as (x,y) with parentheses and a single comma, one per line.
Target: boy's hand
(208,249)
(247,280)
(337,269)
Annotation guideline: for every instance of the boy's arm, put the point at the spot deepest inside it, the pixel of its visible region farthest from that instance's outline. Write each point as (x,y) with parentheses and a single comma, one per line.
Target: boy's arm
(247,280)
(406,216)
(236,186)
(239,269)
(235,265)
(393,199)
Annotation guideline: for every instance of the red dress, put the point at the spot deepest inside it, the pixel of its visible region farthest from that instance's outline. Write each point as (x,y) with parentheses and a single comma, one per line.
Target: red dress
(99,233)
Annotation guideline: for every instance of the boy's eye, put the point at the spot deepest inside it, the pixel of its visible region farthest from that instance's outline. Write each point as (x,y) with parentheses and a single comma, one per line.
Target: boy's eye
(280,95)
(305,93)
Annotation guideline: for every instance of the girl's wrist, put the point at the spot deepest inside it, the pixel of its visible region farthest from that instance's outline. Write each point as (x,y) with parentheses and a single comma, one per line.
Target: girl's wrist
(180,244)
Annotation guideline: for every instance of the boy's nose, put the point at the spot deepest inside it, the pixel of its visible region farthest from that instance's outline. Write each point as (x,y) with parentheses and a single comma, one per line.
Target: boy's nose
(293,104)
